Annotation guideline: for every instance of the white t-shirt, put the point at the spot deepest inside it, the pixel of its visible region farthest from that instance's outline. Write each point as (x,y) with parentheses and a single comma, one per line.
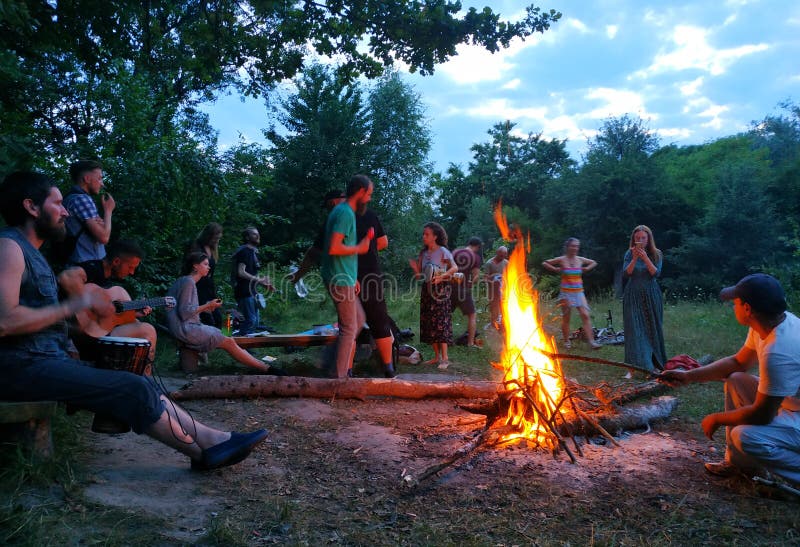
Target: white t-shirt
(779,361)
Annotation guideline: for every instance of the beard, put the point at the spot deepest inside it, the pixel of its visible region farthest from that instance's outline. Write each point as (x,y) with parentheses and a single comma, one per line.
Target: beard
(47,228)
(361,208)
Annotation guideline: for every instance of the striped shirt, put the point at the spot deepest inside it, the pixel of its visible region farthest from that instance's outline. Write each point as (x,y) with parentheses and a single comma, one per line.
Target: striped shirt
(571,281)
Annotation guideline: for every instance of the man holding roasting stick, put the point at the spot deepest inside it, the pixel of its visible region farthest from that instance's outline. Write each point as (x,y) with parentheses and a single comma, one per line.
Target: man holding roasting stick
(762,413)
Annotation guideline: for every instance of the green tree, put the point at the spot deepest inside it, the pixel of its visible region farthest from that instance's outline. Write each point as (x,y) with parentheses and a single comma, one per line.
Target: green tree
(397,146)
(507,168)
(739,234)
(321,145)
(56,53)
(618,186)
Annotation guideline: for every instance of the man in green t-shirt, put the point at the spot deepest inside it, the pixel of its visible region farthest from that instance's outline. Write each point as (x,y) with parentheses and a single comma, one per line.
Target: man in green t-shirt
(339,268)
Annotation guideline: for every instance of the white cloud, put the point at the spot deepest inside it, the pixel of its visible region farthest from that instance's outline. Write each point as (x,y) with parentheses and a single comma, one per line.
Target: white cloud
(502,109)
(577,24)
(703,107)
(679,132)
(692,51)
(690,88)
(565,127)
(611,31)
(713,112)
(656,19)
(617,103)
(473,64)
(513,84)
(729,20)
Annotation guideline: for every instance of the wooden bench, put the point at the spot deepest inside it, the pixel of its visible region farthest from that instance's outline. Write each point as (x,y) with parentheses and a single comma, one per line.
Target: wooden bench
(28,422)
(285,340)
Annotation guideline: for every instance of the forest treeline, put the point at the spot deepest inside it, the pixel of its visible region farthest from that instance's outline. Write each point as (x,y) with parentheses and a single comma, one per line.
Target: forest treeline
(122,82)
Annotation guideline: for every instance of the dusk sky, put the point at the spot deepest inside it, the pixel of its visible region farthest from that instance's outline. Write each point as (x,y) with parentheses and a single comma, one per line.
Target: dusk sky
(694,71)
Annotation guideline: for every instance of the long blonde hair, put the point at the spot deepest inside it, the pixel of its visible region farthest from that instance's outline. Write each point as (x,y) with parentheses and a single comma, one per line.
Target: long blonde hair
(652,250)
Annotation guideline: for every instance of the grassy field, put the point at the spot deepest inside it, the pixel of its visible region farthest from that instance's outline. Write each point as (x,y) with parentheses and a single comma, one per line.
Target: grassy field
(694,328)
(31,515)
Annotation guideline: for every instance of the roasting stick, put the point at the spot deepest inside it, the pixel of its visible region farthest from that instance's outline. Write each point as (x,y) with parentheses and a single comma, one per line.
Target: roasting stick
(574,357)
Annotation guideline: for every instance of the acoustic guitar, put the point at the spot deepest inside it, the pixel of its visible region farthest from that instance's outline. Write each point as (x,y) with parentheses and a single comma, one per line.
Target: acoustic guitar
(95,325)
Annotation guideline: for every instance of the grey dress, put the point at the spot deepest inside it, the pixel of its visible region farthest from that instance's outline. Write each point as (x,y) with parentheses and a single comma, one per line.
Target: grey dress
(184,320)
(643,315)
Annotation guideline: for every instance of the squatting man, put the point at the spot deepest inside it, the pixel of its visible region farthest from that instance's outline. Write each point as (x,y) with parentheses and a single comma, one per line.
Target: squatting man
(762,413)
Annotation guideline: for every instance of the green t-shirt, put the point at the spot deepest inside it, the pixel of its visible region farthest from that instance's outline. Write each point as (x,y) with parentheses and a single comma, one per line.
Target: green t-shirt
(340,270)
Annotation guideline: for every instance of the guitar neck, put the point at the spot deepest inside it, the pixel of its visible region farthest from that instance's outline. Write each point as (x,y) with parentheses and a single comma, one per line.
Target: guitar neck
(143,303)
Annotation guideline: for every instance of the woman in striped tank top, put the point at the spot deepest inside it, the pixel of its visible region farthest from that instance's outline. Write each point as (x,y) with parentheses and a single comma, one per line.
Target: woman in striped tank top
(572,267)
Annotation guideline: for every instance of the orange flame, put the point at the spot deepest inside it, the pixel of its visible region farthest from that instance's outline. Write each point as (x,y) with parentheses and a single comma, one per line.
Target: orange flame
(524,366)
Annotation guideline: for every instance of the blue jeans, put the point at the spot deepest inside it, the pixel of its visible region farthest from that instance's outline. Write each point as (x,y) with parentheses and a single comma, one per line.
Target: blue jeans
(132,399)
(247,307)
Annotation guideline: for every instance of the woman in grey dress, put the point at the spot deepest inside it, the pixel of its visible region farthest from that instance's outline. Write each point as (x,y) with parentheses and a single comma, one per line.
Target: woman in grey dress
(642,305)
(184,323)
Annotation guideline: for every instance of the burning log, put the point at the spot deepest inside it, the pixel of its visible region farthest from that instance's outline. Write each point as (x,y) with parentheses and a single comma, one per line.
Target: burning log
(578,421)
(635,416)
(581,423)
(231,387)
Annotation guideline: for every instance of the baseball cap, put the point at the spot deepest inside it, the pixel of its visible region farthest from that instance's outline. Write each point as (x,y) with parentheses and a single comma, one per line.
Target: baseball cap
(762,291)
(333,194)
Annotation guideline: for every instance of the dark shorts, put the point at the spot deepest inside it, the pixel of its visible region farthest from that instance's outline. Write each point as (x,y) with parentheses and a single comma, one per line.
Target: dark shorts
(461,298)
(374,304)
(133,399)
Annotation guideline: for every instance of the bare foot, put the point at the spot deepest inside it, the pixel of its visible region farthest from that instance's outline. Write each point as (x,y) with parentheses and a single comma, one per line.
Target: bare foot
(433,361)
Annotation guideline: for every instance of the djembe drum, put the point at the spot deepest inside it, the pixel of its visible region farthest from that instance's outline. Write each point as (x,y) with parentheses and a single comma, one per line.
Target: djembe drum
(124,354)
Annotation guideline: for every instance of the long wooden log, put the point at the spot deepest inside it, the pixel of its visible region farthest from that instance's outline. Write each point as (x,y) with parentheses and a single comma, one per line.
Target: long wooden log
(232,387)
(622,396)
(639,415)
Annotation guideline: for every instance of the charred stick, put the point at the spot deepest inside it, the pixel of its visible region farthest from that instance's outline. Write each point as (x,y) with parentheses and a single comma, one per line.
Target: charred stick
(594,423)
(550,426)
(575,410)
(457,455)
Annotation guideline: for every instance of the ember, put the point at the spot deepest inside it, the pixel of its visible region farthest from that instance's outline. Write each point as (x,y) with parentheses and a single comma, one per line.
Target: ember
(534,380)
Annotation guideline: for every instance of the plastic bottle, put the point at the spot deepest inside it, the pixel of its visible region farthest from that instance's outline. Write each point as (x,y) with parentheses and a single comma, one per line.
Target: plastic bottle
(299,287)
(226,325)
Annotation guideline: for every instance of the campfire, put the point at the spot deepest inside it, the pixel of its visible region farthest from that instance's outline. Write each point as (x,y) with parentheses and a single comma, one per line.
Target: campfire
(534,404)
(535,384)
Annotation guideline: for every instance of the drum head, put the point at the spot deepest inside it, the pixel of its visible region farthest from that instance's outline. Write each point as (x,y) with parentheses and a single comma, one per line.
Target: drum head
(123,341)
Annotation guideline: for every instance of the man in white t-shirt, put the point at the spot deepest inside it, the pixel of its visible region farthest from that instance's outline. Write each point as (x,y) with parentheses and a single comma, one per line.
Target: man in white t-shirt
(762,413)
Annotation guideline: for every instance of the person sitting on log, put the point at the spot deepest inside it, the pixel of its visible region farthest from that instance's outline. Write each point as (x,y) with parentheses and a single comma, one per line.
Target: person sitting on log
(762,413)
(184,322)
(34,363)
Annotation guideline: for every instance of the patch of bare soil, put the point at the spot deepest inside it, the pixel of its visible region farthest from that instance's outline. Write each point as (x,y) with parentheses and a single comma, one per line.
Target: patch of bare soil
(333,472)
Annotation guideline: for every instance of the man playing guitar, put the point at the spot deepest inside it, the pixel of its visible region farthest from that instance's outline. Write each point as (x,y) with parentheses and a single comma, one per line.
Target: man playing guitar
(121,260)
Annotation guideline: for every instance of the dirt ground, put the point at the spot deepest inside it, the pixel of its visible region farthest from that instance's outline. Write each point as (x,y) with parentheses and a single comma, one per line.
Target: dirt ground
(340,472)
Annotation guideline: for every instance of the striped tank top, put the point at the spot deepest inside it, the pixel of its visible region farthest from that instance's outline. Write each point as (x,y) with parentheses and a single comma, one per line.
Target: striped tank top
(571,281)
